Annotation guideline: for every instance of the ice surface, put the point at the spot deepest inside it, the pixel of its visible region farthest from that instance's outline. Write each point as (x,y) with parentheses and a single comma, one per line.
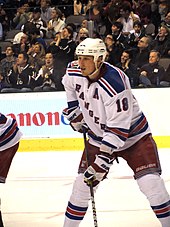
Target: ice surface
(39,185)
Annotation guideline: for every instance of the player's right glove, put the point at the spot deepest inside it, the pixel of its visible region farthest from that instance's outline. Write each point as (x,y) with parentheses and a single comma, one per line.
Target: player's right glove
(97,171)
(74,115)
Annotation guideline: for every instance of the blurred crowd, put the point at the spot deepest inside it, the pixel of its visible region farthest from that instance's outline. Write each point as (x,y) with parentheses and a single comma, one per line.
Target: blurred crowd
(38,39)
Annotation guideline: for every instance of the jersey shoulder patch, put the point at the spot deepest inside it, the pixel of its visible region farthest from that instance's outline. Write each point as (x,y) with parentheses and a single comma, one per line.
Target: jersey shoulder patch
(73,69)
(113,81)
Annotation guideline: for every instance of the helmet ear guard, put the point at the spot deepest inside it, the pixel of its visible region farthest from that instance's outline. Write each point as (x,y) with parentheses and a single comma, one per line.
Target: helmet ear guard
(92,47)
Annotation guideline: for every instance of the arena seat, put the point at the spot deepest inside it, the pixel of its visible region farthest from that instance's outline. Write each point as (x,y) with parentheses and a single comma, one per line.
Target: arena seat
(164,62)
(75,19)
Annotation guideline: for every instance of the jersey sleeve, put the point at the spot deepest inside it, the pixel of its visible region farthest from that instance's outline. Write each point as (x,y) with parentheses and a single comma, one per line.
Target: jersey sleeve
(68,82)
(10,134)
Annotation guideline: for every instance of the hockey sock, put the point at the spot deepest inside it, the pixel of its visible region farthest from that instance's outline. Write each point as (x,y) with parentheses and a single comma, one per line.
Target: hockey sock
(74,215)
(154,189)
(162,212)
(78,203)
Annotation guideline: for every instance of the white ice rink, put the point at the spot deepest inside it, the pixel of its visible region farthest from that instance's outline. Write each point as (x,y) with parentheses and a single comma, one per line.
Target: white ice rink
(39,185)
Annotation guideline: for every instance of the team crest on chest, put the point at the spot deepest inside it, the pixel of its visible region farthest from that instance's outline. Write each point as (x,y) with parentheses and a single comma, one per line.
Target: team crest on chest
(96,94)
(81,95)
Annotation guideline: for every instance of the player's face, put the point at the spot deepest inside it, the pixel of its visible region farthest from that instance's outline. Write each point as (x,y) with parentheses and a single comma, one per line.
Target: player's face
(86,64)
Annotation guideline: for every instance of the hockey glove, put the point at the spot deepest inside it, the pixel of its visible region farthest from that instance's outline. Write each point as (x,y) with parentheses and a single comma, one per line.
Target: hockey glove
(98,170)
(79,126)
(74,115)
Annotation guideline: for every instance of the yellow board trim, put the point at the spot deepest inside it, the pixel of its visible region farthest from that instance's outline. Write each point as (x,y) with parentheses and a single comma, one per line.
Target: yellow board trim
(70,144)
(162,141)
(48,144)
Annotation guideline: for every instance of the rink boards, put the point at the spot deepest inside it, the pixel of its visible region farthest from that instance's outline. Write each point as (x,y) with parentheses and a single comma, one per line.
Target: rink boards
(71,144)
(39,116)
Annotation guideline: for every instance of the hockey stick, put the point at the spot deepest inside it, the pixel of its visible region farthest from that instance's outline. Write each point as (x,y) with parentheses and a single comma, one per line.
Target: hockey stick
(90,184)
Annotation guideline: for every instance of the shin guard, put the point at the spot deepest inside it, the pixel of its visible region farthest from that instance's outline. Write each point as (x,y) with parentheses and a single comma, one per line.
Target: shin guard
(154,189)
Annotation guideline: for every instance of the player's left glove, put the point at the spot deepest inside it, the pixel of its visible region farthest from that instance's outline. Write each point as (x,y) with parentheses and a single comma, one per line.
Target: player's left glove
(97,171)
(74,115)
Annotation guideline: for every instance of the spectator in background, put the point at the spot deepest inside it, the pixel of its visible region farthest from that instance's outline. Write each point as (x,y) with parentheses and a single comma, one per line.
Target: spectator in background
(63,48)
(38,22)
(152,74)
(150,29)
(81,6)
(7,63)
(141,53)
(26,28)
(46,9)
(84,24)
(36,55)
(33,3)
(129,68)
(66,7)
(78,7)
(118,35)
(4,22)
(166,21)
(143,9)
(155,16)
(56,24)
(114,49)
(21,76)
(35,37)
(162,41)
(46,77)
(163,9)
(127,18)
(2,82)
(17,37)
(22,46)
(96,14)
(109,42)
(82,34)
(75,29)
(136,35)
(22,16)
(112,9)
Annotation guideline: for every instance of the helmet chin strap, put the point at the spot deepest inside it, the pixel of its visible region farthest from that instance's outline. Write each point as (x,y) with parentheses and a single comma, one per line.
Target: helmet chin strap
(94,74)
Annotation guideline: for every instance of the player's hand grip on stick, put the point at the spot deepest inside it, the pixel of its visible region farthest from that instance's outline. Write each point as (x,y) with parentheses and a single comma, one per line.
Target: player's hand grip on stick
(96,171)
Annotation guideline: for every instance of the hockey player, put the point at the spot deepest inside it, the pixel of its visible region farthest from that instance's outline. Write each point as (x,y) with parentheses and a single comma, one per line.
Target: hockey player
(99,95)
(9,142)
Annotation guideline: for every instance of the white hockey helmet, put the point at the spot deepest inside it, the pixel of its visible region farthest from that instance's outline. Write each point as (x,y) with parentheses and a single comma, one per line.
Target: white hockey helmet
(92,47)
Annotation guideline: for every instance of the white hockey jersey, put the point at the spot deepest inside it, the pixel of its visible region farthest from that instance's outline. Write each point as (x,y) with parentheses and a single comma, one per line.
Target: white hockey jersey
(108,106)
(9,132)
